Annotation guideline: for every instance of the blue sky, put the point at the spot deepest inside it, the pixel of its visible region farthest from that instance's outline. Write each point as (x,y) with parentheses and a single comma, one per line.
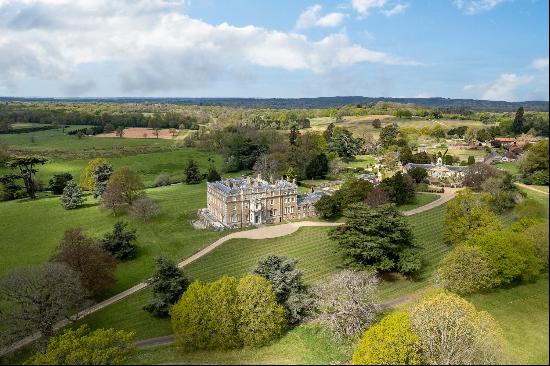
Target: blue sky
(483,49)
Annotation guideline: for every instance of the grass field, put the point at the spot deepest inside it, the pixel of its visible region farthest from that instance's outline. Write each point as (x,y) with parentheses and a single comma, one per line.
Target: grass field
(420,199)
(510,167)
(362,161)
(32,230)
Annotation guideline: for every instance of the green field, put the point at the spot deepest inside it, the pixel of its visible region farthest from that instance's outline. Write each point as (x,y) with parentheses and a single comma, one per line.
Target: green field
(510,167)
(362,161)
(420,199)
(31,230)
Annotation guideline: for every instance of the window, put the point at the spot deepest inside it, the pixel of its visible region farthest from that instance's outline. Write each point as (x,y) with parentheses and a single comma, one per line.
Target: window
(234,218)
(271,201)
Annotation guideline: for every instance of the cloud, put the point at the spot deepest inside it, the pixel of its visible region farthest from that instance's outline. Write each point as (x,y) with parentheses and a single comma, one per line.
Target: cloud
(504,88)
(471,7)
(78,88)
(156,47)
(311,18)
(540,64)
(397,9)
(364,6)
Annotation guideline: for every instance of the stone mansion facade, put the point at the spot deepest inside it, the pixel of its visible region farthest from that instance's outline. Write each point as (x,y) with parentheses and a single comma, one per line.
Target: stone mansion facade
(244,201)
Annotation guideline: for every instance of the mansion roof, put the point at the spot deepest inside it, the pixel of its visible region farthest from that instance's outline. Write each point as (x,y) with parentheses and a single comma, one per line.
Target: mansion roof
(236,185)
(310,198)
(452,168)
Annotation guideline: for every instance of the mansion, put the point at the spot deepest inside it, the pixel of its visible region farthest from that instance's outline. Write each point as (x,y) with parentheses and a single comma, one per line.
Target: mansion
(439,173)
(244,201)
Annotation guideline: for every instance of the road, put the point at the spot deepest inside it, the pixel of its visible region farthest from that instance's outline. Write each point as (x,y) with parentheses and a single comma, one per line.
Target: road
(265,232)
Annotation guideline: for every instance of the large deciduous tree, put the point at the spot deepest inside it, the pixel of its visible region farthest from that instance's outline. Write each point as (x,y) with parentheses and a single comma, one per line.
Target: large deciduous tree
(83,254)
(477,173)
(344,144)
(26,170)
(35,298)
(87,177)
(388,135)
(400,188)
(377,238)
(131,186)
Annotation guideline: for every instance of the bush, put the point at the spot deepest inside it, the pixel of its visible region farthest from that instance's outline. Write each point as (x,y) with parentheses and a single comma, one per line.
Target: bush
(261,318)
(389,342)
(163,179)
(327,207)
(539,178)
(455,271)
(538,234)
(119,242)
(72,196)
(529,208)
(83,347)
(145,208)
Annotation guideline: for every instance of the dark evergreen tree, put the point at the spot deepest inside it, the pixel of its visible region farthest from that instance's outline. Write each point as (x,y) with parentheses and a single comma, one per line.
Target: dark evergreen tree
(318,167)
(59,181)
(293,135)
(26,167)
(517,125)
(405,155)
(72,196)
(418,174)
(120,242)
(168,284)
(329,132)
(192,173)
(213,175)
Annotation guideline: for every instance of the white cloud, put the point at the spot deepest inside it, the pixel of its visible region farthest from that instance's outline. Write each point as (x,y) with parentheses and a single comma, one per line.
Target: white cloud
(364,6)
(155,46)
(504,88)
(397,9)
(476,6)
(311,17)
(540,64)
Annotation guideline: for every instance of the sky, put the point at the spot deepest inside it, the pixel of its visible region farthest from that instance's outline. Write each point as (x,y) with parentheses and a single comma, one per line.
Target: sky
(480,49)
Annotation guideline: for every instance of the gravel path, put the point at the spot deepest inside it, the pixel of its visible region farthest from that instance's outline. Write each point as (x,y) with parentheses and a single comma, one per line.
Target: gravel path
(266,232)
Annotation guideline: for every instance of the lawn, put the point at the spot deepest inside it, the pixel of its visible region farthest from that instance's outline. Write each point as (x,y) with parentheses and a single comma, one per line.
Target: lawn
(31,230)
(510,167)
(522,312)
(420,199)
(362,161)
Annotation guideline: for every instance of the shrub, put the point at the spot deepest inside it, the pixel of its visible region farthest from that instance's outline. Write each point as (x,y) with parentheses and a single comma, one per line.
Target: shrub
(389,342)
(163,179)
(529,208)
(261,318)
(119,242)
(83,347)
(456,273)
(288,284)
(538,234)
(145,208)
(453,332)
(72,196)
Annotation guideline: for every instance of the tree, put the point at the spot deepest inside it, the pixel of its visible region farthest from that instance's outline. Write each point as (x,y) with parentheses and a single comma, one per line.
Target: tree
(388,135)
(504,193)
(467,214)
(101,175)
(344,144)
(453,332)
(405,155)
(213,175)
(477,173)
(113,198)
(318,167)
(87,181)
(84,347)
(536,159)
(72,196)
(400,188)
(377,197)
(288,284)
(59,181)
(261,318)
(327,207)
(378,238)
(26,166)
(389,342)
(456,275)
(145,208)
(418,174)
(35,298)
(517,125)
(168,284)
(293,135)
(329,132)
(512,255)
(530,209)
(347,303)
(376,123)
(82,254)
(352,191)
(4,152)
(120,243)
(119,132)
(538,234)
(192,173)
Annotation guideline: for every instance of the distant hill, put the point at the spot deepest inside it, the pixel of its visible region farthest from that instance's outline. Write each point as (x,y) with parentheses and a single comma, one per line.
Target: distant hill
(309,103)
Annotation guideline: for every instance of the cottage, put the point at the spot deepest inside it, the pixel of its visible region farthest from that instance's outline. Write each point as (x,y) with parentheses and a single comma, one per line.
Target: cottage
(440,173)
